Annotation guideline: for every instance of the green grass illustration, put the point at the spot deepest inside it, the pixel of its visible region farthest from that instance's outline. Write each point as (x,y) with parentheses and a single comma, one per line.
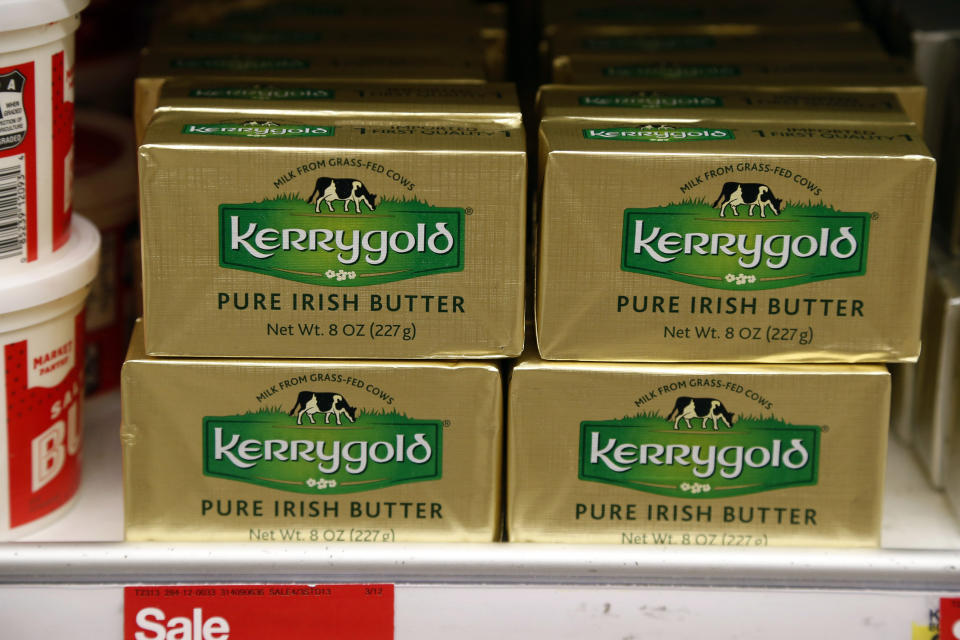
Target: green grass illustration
(296,203)
(789,209)
(279,415)
(649,418)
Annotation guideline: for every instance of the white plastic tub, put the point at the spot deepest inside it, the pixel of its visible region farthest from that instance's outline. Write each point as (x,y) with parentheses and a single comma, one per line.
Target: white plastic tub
(36,127)
(41,344)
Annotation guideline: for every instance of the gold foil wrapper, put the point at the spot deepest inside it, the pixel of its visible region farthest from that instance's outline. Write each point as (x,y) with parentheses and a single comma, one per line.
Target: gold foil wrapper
(226,98)
(424,260)
(613,286)
(445,28)
(697,455)
(629,41)
(685,104)
(265,64)
(850,76)
(696,18)
(428,436)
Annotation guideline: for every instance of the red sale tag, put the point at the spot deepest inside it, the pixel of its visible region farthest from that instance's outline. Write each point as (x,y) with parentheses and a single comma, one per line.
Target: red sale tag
(950,618)
(254,612)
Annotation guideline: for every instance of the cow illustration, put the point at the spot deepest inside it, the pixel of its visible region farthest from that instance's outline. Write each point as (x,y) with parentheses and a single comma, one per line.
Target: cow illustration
(312,402)
(753,194)
(347,189)
(704,408)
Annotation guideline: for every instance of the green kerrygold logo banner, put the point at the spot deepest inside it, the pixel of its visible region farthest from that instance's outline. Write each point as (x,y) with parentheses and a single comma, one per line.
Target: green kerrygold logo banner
(259,130)
(397,240)
(651,101)
(263,93)
(649,43)
(690,242)
(672,71)
(658,134)
(374,451)
(647,453)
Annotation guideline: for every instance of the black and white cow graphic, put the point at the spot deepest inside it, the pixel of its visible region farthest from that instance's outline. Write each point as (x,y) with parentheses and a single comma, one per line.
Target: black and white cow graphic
(753,194)
(347,189)
(704,408)
(311,402)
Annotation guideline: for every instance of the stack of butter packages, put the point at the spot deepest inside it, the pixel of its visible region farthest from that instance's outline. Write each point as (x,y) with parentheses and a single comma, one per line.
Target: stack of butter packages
(261,41)
(733,232)
(333,271)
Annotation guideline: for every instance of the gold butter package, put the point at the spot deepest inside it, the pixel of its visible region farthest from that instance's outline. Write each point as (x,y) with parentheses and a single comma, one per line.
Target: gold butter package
(304,64)
(696,455)
(333,238)
(626,40)
(224,98)
(683,104)
(843,76)
(732,51)
(732,242)
(938,369)
(310,450)
(729,18)
(400,27)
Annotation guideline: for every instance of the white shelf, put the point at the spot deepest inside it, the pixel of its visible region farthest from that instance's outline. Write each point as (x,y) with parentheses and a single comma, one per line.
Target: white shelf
(70,576)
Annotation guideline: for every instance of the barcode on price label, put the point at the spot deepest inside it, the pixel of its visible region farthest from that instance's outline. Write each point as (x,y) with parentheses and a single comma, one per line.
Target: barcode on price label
(13,210)
(255,612)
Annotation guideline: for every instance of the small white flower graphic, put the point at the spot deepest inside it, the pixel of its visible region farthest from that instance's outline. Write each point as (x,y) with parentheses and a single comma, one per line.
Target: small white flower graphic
(740,278)
(321,483)
(340,275)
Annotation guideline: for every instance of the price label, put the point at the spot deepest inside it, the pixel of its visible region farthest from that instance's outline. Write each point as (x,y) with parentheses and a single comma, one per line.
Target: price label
(949,618)
(254,612)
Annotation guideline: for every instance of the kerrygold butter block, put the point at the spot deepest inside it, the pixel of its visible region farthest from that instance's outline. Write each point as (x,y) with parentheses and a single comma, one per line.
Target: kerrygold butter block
(732,242)
(808,51)
(795,76)
(628,40)
(310,450)
(697,455)
(302,63)
(401,27)
(684,104)
(333,238)
(716,18)
(224,98)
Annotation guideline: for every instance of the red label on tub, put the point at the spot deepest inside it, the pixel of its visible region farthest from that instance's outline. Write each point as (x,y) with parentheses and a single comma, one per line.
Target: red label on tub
(18,163)
(44,404)
(252,612)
